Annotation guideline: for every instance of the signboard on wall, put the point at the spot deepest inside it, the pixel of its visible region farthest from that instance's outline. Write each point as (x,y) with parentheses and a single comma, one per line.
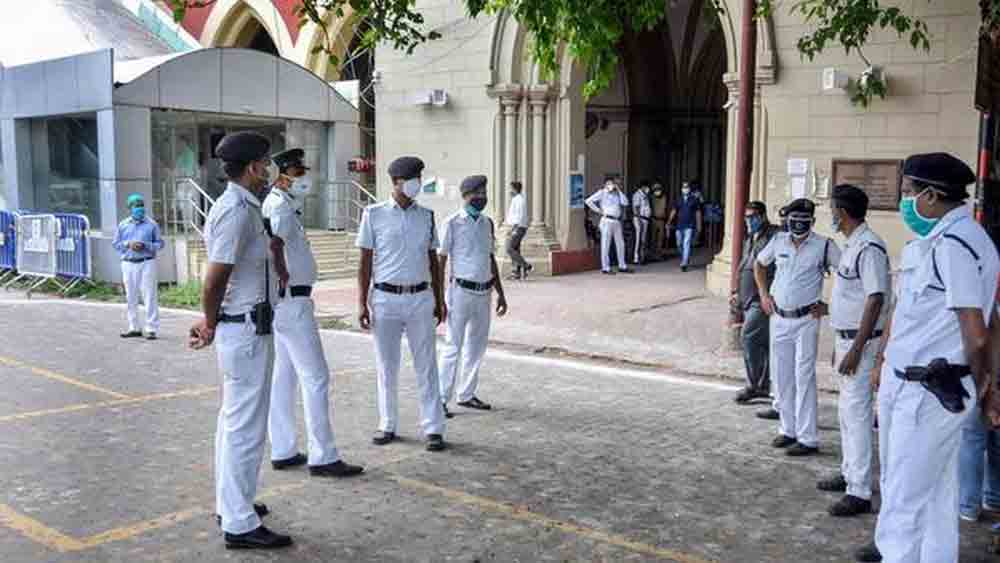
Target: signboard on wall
(880,179)
(577,193)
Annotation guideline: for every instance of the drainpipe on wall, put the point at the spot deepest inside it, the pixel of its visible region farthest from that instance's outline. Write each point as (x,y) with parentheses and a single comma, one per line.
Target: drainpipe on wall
(744,140)
(983,171)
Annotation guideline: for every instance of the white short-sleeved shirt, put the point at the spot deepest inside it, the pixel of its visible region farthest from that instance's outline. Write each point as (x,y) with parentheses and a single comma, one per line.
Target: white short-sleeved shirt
(799,271)
(610,203)
(235,234)
(640,204)
(286,224)
(517,212)
(924,324)
(863,271)
(469,243)
(400,240)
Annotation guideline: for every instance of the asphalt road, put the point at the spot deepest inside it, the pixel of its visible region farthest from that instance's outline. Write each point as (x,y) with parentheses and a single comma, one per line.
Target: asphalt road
(106,453)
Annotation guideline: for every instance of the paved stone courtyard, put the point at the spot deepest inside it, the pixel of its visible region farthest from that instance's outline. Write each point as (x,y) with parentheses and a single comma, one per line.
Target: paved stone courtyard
(106,449)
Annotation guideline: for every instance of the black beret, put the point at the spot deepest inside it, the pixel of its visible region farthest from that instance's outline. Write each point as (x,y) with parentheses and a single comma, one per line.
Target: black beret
(941,170)
(757,206)
(406,167)
(473,183)
(245,146)
(801,205)
(851,195)
(292,157)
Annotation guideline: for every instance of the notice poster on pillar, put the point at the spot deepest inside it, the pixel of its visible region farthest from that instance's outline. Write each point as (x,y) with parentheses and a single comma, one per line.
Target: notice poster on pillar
(577,194)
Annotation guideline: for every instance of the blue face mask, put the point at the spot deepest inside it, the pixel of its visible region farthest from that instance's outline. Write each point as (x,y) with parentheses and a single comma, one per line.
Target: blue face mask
(475,206)
(754,223)
(138,213)
(920,225)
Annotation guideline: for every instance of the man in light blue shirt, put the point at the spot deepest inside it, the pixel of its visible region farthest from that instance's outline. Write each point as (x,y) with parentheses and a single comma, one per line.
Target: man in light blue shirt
(137,241)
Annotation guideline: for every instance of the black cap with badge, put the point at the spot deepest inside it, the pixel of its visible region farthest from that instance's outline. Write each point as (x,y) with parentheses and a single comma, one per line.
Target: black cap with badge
(406,168)
(472,184)
(245,146)
(289,158)
(941,171)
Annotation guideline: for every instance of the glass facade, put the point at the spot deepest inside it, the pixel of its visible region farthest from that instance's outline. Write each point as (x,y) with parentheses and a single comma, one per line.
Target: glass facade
(65,160)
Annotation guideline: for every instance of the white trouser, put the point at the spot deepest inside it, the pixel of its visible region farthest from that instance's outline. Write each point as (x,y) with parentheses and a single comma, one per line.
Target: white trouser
(392,315)
(299,359)
(641,228)
(793,373)
(855,413)
(918,451)
(468,332)
(245,363)
(611,228)
(140,281)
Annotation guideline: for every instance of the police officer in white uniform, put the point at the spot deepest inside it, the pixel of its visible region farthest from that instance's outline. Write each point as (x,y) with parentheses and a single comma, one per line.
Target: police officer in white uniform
(238,289)
(400,290)
(935,360)
(642,214)
(802,258)
(610,203)
(858,315)
(299,354)
(469,241)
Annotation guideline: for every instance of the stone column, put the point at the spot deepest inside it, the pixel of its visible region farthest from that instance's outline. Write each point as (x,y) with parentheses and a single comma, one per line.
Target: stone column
(539,108)
(510,105)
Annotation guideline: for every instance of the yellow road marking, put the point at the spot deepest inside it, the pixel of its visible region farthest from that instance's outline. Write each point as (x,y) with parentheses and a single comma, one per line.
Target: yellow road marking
(60,377)
(520,513)
(38,532)
(194,392)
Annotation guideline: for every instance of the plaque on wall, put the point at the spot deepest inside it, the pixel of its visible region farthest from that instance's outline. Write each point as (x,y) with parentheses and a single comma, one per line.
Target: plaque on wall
(880,179)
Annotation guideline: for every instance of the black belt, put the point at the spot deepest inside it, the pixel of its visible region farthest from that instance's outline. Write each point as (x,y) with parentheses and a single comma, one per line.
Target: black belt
(402,289)
(852,334)
(612,218)
(137,260)
(646,219)
(474,286)
(224,318)
(794,313)
(297,291)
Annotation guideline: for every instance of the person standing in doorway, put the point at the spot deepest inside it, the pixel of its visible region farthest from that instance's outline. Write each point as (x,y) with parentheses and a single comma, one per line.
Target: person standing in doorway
(299,356)
(755,331)
(610,203)
(858,315)
(802,259)
(138,240)
(400,291)
(469,242)
(517,220)
(686,217)
(642,214)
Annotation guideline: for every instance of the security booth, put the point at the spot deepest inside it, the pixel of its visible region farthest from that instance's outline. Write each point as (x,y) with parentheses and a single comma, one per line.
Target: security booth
(81,133)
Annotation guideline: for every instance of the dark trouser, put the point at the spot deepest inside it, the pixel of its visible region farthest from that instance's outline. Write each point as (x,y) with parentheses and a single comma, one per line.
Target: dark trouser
(756,347)
(514,249)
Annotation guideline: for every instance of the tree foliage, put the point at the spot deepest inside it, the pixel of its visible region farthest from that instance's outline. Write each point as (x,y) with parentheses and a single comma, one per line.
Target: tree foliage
(592,30)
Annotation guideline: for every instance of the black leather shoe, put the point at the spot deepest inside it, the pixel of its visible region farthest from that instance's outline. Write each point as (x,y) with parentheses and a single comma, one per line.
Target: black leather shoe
(475,403)
(447,413)
(382,438)
(769,414)
(607,272)
(261,538)
(435,443)
(868,554)
(336,469)
(132,334)
(851,506)
(745,396)
(258,507)
(626,271)
(783,441)
(798,450)
(833,485)
(151,336)
(684,268)
(294,461)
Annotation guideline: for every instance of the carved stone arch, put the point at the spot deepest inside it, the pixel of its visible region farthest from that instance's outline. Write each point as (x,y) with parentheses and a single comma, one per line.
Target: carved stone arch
(341,31)
(230,20)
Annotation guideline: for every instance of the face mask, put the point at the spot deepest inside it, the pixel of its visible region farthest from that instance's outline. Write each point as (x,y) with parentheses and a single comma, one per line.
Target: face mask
(685,191)
(477,203)
(138,213)
(836,222)
(411,188)
(300,186)
(800,227)
(754,224)
(920,225)
(609,187)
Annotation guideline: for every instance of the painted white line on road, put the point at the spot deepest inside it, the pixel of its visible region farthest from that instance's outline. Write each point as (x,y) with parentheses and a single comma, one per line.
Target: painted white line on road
(120,306)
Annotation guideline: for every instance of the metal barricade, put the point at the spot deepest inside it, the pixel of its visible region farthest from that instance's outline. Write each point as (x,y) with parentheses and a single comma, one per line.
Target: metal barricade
(8,245)
(36,249)
(73,260)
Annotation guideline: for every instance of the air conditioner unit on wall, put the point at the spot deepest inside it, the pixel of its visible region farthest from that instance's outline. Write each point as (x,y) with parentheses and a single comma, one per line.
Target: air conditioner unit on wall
(834,80)
(439,98)
(421,98)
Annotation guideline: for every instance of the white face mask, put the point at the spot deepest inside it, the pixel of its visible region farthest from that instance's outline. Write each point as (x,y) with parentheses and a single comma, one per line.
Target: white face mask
(301,186)
(411,188)
(685,191)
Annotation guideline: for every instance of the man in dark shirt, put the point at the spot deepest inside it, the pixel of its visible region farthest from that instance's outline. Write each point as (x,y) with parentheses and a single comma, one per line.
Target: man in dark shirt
(755,333)
(687,214)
